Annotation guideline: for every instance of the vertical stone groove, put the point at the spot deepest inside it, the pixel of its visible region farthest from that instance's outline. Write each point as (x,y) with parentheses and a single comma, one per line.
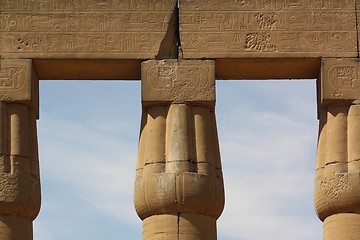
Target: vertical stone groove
(178,173)
(170,44)
(4,146)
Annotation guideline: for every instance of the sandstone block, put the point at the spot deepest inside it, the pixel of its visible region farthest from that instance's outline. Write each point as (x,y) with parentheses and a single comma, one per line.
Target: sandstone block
(15,227)
(19,191)
(18,130)
(15,80)
(83,29)
(267,28)
(164,227)
(182,226)
(88,69)
(19,82)
(196,226)
(178,81)
(19,165)
(342,226)
(267,68)
(340,80)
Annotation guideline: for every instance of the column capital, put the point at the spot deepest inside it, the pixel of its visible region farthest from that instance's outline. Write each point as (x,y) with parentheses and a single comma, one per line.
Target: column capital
(178,81)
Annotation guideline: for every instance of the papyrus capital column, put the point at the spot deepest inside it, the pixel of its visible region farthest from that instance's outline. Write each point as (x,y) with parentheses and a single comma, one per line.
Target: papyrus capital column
(19,166)
(179,191)
(337,181)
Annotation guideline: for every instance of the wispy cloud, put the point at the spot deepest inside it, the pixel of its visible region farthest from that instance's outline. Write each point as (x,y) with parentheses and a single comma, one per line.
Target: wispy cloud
(268,159)
(93,156)
(267,136)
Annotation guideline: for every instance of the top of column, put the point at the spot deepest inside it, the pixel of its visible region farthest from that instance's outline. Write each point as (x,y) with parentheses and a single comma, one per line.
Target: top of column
(268,28)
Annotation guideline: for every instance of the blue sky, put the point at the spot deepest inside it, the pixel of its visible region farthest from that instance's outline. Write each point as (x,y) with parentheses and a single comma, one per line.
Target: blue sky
(88,133)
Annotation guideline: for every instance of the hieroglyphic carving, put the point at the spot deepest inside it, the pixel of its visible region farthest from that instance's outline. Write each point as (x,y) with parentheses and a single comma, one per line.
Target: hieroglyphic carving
(259,42)
(340,80)
(15,80)
(336,184)
(263,28)
(131,28)
(178,81)
(273,5)
(85,5)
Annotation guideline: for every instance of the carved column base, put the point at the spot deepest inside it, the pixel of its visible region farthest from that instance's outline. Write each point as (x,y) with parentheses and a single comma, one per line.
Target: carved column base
(183,226)
(344,226)
(15,228)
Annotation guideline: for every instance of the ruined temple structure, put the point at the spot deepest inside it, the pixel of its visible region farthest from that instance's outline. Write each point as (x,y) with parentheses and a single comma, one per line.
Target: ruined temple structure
(178,49)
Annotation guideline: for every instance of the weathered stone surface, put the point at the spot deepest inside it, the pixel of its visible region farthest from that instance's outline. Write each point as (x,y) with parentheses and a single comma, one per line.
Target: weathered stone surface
(179,189)
(342,226)
(15,227)
(196,226)
(19,166)
(83,29)
(178,81)
(357,2)
(19,82)
(15,80)
(88,69)
(268,28)
(267,68)
(178,168)
(164,226)
(340,80)
(184,226)
(337,182)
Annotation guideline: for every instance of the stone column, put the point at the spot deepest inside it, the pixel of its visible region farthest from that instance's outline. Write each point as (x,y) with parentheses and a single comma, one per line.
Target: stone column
(179,191)
(19,166)
(337,181)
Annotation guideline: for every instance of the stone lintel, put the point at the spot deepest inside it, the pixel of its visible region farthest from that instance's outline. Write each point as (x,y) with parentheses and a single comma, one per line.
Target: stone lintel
(88,69)
(268,28)
(59,29)
(339,80)
(19,82)
(267,68)
(178,81)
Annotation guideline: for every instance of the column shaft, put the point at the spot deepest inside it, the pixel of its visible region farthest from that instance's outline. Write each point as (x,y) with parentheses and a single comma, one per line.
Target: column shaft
(337,184)
(337,181)
(19,166)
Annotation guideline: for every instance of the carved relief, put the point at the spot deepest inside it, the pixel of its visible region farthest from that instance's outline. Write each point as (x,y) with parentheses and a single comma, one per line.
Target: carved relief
(259,42)
(287,27)
(11,78)
(274,5)
(179,81)
(84,5)
(131,28)
(343,77)
(168,77)
(80,43)
(15,80)
(266,21)
(340,79)
(333,186)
